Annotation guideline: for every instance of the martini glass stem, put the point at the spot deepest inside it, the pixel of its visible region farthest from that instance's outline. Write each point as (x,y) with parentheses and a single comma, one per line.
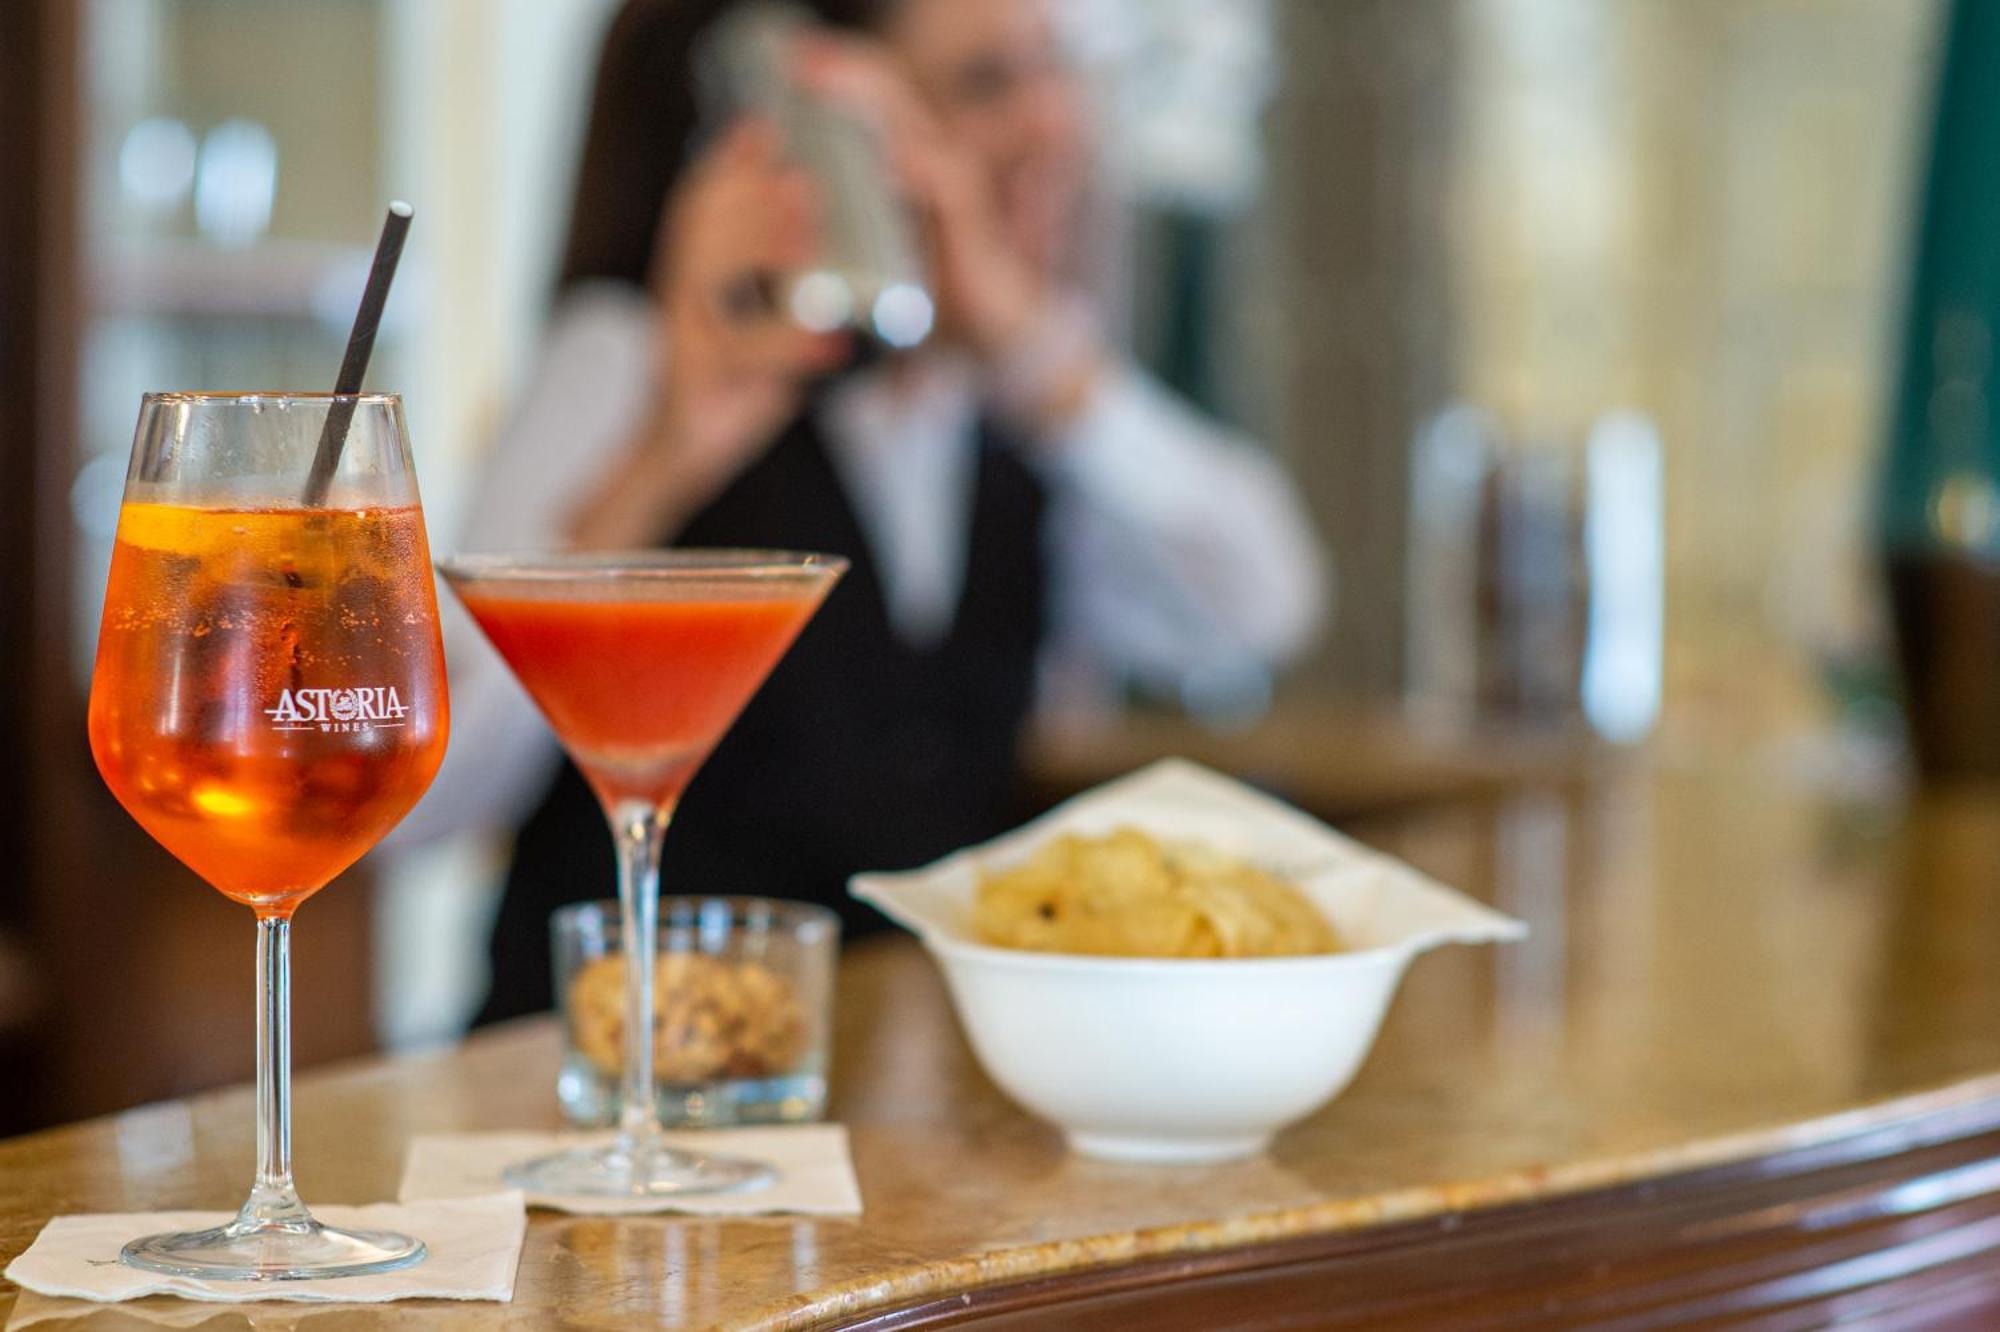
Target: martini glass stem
(273,1201)
(639,827)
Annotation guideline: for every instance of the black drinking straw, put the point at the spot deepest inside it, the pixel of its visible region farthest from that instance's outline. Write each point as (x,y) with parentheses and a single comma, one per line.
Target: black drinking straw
(360,343)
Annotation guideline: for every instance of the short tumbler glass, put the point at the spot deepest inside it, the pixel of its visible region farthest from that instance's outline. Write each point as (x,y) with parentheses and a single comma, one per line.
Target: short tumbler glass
(743,1010)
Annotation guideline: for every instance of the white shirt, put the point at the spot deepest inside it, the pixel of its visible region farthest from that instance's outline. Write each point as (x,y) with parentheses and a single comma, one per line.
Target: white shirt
(1174,546)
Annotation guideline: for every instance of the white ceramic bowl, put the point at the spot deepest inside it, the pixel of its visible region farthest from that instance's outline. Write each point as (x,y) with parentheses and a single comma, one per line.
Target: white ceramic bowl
(1140,1059)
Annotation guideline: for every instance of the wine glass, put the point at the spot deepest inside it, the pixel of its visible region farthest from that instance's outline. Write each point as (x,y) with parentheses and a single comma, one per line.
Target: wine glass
(268,701)
(641,660)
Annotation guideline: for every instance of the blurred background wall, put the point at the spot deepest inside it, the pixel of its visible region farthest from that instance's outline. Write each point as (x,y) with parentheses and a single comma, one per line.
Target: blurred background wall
(1700,211)
(1387,236)
(1553,209)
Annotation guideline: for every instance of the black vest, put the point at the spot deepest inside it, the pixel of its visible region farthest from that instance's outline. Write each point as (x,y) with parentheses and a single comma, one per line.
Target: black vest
(858,753)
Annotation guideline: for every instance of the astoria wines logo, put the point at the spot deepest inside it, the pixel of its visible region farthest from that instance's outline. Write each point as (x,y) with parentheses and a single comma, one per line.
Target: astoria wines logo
(364,709)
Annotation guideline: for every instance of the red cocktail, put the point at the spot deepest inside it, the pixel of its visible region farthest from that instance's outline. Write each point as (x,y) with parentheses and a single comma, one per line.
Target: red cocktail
(641,681)
(641,661)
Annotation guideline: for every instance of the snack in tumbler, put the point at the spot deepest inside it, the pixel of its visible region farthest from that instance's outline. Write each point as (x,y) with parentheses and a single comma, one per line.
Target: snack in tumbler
(713,1018)
(1130,895)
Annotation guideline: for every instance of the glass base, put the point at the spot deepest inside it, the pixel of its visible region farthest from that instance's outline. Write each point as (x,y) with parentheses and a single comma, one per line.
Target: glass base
(293,1251)
(619,1171)
(591,1098)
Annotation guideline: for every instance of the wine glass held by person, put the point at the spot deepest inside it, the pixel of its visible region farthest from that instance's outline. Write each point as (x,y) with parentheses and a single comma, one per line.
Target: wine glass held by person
(1018,501)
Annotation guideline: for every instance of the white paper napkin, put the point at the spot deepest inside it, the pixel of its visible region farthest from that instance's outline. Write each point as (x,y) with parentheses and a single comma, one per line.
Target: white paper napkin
(474,1241)
(815,1172)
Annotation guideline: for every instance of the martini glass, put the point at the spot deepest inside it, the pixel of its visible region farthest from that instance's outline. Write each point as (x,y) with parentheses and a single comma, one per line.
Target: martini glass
(641,660)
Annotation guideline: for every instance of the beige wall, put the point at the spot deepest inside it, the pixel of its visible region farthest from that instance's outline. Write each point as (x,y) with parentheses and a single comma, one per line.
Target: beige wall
(1698,208)
(1554,208)
(1362,135)
(326,91)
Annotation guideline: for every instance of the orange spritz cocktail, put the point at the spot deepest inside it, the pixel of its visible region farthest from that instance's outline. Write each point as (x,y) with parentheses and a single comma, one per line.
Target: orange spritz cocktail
(268,699)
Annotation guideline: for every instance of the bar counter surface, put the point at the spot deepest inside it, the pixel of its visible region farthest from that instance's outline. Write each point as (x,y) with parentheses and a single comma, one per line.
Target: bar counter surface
(1745,1071)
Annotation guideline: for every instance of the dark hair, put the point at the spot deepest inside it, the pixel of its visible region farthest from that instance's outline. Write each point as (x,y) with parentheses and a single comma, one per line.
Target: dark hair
(644,114)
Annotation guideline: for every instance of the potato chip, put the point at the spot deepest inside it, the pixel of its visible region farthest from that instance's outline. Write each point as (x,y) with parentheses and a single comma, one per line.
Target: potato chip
(1129,895)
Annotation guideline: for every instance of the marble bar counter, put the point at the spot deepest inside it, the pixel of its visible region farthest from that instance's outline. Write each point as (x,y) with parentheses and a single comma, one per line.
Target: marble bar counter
(1746,1071)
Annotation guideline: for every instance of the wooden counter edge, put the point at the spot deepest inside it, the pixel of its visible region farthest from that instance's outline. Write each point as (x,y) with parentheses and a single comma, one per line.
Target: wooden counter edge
(1759,1186)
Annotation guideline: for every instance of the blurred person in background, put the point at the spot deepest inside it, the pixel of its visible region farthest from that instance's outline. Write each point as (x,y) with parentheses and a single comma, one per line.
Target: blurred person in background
(1012,490)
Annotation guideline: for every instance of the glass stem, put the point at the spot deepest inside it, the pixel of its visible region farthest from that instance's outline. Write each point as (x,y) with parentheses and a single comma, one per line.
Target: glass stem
(273,1201)
(638,828)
